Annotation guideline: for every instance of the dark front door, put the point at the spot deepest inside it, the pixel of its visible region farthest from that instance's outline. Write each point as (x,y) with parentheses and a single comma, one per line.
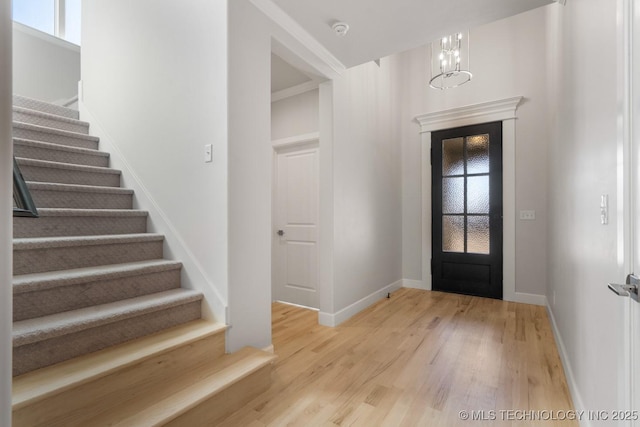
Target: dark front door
(467,210)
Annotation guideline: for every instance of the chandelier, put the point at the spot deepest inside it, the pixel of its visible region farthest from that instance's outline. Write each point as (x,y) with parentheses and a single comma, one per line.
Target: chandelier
(450,62)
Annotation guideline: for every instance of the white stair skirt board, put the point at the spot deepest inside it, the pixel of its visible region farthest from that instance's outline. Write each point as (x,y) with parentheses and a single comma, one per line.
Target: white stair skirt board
(334,319)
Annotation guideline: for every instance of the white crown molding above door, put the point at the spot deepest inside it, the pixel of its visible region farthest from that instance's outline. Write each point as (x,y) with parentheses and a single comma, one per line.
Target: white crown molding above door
(503,110)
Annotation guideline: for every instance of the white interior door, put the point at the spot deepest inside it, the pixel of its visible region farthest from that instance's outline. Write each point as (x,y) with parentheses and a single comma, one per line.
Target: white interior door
(295,255)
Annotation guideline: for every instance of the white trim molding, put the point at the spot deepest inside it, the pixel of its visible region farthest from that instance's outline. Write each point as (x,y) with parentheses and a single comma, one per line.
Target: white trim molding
(294,141)
(500,110)
(294,90)
(295,30)
(413,284)
(334,319)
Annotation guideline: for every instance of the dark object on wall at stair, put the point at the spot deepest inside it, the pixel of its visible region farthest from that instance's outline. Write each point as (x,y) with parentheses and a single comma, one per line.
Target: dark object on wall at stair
(22,201)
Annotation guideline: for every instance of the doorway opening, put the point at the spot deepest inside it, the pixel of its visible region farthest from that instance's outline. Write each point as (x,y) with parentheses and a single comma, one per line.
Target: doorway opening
(295,123)
(467,210)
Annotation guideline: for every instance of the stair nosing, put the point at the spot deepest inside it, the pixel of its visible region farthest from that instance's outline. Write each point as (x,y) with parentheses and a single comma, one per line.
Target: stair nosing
(73,212)
(60,324)
(69,166)
(35,282)
(30,243)
(59,132)
(50,116)
(205,388)
(68,374)
(77,188)
(49,104)
(59,147)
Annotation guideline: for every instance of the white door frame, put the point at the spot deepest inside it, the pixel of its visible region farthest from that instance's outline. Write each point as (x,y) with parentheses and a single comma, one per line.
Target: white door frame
(628,232)
(299,141)
(503,110)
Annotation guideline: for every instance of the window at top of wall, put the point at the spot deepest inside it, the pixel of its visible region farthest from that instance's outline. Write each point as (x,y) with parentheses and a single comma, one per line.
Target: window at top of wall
(63,22)
(73,17)
(39,14)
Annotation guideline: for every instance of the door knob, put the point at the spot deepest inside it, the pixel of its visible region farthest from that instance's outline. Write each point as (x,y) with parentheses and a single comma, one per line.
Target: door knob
(630,288)
(280,232)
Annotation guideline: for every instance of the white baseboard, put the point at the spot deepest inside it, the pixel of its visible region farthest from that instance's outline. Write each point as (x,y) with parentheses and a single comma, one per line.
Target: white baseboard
(414,284)
(571,382)
(329,319)
(525,298)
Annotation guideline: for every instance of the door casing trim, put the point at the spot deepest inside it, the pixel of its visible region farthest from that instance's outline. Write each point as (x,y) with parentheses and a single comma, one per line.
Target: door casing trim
(503,110)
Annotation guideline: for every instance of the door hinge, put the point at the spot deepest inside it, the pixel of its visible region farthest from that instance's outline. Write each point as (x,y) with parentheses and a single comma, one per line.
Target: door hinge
(431,156)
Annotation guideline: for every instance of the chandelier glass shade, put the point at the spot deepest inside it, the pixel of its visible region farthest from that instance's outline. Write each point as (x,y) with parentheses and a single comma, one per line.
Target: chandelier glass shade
(450,61)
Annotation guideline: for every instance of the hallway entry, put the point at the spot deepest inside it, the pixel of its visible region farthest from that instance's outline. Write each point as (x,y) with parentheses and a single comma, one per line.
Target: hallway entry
(466,167)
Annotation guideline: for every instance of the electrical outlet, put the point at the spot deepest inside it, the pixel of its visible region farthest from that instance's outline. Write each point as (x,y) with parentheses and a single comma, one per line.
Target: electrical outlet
(527,215)
(208,153)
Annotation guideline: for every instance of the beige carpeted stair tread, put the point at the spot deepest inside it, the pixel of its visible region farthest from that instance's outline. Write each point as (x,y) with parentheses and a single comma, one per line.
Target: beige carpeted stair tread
(61,242)
(53,131)
(40,118)
(58,147)
(180,397)
(43,383)
(68,166)
(64,212)
(35,104)
(55,325)
(52,186)
(52,279)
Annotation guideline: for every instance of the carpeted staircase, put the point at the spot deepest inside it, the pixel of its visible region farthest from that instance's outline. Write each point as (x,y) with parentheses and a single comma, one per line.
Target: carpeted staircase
(92,290)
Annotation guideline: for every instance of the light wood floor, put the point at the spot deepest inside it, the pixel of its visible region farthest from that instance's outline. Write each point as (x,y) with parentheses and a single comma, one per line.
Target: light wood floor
(417,359)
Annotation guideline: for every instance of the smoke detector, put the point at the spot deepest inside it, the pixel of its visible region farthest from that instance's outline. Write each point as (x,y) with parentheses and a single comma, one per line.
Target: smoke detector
(341,28)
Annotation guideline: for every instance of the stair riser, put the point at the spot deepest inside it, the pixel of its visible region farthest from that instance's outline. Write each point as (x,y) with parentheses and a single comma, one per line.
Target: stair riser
(39,153)
(81,200)
(44,302)
(76,406)
(58,226)
(228,401)
(23,117)
(37,355)
(67,176)
(54,138)
(63,258)
(45,107)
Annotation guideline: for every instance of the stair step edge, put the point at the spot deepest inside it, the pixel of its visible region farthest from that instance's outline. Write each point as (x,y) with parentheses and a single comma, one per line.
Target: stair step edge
(54,279)
(58,147)
(54,131)
(68,166)
(68,212)
(59,242)
(43,383)
(59,324)
(50,116)
(54,186)
(249,361)
(69,112)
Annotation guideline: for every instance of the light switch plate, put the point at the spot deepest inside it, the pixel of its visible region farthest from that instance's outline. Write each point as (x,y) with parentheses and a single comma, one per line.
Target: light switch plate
(527,215)
(208,153)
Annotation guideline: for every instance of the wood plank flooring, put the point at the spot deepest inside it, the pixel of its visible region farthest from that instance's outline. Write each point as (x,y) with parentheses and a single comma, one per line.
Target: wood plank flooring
(416,359)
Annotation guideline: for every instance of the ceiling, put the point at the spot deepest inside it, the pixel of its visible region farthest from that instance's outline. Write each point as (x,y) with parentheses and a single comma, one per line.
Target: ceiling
(379,28)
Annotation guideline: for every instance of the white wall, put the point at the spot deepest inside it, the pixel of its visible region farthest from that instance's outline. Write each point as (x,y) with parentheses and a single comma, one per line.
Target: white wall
(507,59)
(154,82)
(296,115)
(583,164)
(44,67)
(367,183)
(6,229)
